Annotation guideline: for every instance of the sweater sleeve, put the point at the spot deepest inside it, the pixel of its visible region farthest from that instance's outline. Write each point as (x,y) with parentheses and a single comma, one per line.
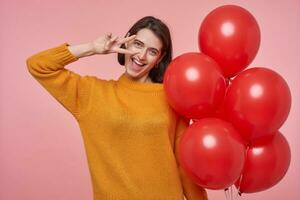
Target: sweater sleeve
(68,88)
(191,190)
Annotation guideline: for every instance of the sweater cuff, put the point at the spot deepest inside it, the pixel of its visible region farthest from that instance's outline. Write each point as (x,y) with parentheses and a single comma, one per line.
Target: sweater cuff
(63,55)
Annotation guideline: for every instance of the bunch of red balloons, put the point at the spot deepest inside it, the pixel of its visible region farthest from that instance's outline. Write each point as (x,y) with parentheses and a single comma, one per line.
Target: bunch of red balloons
(234,138)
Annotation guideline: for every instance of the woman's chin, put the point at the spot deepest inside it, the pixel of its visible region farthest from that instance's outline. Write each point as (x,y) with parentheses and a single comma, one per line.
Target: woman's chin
(132,74)
(134,71)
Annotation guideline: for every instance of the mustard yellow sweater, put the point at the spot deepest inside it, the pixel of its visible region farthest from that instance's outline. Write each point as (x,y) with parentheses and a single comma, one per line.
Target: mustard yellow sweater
(129,131)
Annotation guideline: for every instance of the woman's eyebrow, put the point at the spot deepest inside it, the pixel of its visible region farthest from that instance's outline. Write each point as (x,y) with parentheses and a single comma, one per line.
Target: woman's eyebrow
(144,43)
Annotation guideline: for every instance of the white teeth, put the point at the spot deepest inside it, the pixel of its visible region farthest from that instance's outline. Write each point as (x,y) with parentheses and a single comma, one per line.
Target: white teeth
(137,62)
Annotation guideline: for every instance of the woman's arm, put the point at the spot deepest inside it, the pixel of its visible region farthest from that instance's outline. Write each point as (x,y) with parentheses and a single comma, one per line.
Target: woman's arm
(190,189)
(70,89)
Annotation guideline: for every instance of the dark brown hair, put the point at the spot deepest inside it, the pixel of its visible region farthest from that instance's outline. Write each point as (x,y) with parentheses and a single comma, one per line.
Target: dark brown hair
(161,30)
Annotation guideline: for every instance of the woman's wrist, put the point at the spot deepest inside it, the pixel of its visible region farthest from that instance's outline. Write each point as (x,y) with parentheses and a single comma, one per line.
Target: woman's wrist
(82,50)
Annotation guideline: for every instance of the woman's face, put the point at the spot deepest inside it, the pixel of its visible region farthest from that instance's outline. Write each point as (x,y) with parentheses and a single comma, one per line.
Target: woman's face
(148,52)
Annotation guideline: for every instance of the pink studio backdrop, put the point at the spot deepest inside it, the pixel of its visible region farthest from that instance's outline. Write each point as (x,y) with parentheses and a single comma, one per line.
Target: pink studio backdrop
(41,150)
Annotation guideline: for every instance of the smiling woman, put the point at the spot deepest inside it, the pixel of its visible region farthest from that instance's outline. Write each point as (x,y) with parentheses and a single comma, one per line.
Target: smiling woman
(148,49)
(154,49)
(130,133)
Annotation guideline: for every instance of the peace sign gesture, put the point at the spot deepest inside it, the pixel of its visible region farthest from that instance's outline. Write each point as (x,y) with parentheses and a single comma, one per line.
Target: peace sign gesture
(108,44)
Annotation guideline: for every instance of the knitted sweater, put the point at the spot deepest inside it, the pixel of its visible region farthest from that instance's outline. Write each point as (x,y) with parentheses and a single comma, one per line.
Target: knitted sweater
(129,131)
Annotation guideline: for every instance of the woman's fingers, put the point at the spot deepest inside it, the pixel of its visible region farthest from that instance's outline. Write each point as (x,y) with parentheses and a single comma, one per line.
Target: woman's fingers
(125,51)
(110,42)
(114,38)
(108,35)
(113,44)
(126,39)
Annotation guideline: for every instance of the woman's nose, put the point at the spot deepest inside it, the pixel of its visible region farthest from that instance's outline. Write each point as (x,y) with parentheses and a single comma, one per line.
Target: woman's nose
(142,54)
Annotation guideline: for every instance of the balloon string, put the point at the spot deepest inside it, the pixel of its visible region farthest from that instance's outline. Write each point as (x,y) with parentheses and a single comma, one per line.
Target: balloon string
(231,193)
(239,186)
(226,193)
(239,193)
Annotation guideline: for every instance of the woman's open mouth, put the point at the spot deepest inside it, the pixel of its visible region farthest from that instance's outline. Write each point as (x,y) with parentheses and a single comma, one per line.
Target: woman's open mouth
(137,65)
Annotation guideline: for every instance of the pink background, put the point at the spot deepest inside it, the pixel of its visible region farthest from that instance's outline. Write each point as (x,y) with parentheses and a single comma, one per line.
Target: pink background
(41,149)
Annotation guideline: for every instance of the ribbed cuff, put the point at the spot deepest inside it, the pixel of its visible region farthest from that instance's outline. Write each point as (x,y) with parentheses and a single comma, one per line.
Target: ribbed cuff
(63,55)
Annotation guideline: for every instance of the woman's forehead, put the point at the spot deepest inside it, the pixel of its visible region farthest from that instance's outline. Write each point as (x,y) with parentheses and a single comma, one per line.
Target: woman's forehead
(148,38)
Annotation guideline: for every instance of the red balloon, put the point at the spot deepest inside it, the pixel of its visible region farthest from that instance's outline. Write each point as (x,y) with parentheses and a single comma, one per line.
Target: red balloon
(219,112)
(267,162)
(194,85)
(212,153)
(231,36)
(257,102)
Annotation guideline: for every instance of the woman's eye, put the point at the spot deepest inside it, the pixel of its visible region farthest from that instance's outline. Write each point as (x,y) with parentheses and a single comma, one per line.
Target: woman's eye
(137,44)
(153,53)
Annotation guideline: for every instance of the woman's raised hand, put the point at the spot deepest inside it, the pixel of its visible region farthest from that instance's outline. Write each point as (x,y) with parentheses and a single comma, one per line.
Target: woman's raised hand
(102,45)
(109,44)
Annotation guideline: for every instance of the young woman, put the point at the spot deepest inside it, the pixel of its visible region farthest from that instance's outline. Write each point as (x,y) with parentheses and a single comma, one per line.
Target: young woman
(130,133)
